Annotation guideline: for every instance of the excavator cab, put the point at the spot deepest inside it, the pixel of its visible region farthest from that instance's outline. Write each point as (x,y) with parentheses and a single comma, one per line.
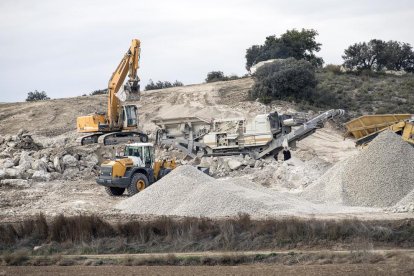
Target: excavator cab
(130,117)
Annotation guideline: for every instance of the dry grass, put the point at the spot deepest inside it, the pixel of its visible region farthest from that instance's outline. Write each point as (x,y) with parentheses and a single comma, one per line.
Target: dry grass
(90,234)
(365,92)
(290,258)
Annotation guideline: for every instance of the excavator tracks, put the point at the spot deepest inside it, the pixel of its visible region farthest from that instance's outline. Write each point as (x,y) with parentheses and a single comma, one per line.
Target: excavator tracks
(113,138)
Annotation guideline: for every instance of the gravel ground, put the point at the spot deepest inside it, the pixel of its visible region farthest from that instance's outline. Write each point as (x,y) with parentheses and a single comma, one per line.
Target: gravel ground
(188,192)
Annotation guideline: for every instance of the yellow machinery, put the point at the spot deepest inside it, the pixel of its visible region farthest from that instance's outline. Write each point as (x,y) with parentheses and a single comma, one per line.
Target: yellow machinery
(120,123)
(135,171)
(366,128)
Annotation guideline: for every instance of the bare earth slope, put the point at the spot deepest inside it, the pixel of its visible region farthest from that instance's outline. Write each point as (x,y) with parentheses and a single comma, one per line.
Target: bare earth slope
(55,117)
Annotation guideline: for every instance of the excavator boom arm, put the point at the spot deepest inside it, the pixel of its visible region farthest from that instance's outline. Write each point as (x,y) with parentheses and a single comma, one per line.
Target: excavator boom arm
(128,66)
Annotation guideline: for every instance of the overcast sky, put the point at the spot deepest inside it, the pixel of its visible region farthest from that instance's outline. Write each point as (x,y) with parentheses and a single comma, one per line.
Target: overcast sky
(68,48)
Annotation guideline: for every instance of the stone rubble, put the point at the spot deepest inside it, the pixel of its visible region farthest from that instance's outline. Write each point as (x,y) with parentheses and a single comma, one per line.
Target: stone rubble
(24,160)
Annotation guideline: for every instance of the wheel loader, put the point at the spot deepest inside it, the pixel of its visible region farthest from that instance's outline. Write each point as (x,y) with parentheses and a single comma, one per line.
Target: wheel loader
(134,171)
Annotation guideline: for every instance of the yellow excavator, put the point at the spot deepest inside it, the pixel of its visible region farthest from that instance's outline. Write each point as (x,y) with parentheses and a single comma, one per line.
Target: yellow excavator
(366,128)
(120,123)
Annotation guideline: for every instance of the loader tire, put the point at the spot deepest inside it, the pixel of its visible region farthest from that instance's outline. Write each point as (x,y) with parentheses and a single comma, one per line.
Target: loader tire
(138,183)
(114,191)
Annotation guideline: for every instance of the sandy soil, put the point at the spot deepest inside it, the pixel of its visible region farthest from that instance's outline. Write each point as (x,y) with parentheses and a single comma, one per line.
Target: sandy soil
(53,198)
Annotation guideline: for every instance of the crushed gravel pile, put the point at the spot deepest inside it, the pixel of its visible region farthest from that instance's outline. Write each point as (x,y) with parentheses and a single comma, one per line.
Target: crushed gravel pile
(404,205)
(329,187)
(379,176)
(188,192)
(382,174)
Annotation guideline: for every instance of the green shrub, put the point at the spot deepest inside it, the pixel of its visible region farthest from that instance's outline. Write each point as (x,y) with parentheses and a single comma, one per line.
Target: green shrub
(36,96)
(292,44)
(99,92)
(214,76)
(162,84)
(287,79)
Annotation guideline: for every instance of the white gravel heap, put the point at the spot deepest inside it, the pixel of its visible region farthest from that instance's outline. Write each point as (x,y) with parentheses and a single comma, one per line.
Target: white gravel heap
(329,187)
(189,192)
(379,176)
(382,174)
(404,205)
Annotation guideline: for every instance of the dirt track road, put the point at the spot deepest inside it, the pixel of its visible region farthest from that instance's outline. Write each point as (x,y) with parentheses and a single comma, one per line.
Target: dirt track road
(401,264)
(309,270)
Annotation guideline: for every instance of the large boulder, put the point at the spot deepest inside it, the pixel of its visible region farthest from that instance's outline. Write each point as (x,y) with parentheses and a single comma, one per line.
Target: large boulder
(24,166)
(12,173)
(25,157)
(39,165)
(7,153)
(71,173)
(11,144)
(91,159)
(2,174)
(50,167)
(16,159)
(56,164)
(206,162)
(28,173)
(8,163)
(248,161)
(234,164)
(55,175)
(1,140)
(41,176)
(258,164)
(25,163)
(18,183)
(21,132)
(69,161)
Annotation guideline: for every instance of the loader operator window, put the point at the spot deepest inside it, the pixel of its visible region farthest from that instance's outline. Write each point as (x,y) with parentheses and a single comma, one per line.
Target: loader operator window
(147,157)
(132,151)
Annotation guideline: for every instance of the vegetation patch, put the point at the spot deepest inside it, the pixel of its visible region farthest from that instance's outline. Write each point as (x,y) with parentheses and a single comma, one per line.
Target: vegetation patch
(93,235)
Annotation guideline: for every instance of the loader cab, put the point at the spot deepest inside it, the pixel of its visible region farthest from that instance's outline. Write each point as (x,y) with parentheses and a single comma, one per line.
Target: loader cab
(130,117)
(142,151)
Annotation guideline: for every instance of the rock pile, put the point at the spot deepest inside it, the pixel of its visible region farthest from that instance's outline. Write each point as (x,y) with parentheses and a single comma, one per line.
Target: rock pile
(223,166)
(188,192)
(22,159)
(379,176)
